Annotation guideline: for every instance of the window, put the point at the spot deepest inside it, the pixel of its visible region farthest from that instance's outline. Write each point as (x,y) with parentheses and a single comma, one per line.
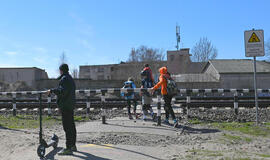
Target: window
(101,77)
(100,69)
(171,57)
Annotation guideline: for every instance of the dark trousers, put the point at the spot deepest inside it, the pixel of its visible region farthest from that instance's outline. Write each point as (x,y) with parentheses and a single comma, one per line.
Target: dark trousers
(129,105)
(168,107)
(146,107)
(69,127)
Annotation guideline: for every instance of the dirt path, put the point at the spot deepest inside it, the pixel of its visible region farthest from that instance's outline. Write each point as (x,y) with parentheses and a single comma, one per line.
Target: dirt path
(125,139)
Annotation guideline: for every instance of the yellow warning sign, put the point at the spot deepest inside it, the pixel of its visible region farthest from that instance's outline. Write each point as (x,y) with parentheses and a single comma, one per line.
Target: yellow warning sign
(253,38)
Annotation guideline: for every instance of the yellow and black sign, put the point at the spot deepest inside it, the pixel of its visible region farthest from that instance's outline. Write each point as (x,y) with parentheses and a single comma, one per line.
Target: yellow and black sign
(253,38)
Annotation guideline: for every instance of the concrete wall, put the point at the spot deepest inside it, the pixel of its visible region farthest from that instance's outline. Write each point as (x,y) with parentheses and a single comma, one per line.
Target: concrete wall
(96,72)
(81,84)
(178,61)
(194,78)
(118,71)
(212,72)
(244,80)
(198,85)
(28,75)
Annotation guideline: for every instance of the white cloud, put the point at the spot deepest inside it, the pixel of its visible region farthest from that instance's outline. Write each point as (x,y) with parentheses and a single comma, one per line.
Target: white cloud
(82,26)
(39,60)
(40,50)
(11,53)
(75,17)
(85,43)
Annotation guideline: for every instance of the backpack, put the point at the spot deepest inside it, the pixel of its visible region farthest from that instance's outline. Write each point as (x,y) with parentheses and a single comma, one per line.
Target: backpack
(128,85)
(172,89)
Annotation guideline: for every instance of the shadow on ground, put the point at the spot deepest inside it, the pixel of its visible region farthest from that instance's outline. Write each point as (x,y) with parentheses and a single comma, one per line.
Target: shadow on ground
(171,128)
(87,156)
(82,156)
(131,151)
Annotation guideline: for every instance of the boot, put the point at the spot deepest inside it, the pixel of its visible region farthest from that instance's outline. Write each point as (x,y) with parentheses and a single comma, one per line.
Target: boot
(130,116)
(166,121)
(175,123)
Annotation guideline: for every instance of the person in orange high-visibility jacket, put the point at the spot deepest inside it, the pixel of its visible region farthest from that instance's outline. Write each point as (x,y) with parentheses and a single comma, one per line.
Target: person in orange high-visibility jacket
(167,98)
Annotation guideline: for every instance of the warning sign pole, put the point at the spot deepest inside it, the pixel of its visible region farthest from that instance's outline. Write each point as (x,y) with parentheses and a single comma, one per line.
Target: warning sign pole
(255,89)
(254,47)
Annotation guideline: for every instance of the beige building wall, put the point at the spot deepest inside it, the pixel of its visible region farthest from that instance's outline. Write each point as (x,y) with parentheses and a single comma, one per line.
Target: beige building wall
(118,71)
(178,61)
(28,75)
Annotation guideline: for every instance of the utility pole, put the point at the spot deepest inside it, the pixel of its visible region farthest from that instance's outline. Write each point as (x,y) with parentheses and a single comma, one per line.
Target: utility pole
(177,37)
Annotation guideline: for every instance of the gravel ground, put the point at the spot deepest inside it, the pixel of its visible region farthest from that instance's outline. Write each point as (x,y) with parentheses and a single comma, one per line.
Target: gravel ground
(188,141)
(225,115)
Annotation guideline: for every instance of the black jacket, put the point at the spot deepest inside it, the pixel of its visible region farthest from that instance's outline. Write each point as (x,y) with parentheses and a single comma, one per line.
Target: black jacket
(65,92)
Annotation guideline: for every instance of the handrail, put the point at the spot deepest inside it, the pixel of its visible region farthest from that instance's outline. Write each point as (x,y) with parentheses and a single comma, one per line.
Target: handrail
(137,90)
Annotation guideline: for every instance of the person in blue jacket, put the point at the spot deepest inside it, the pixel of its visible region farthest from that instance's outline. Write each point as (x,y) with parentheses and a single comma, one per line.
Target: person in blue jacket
(130,96)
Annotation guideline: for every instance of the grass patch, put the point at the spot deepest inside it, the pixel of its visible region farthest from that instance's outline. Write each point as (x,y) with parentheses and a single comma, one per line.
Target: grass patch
(207,153)
(194,121)
(227,158)
(237,138)
(247,128)
(32,121)
(25,121)
(264,155)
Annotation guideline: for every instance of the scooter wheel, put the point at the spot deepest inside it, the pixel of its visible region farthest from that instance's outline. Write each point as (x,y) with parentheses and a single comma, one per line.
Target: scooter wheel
(55,145)
(41,151)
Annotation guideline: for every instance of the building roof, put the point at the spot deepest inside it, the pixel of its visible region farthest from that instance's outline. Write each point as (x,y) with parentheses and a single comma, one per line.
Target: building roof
(124,63)
(238,66)
(196,67)
(21,68)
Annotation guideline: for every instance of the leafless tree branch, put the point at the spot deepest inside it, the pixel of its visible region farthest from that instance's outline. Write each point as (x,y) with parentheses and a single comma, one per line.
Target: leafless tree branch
(145,54)
(203,51)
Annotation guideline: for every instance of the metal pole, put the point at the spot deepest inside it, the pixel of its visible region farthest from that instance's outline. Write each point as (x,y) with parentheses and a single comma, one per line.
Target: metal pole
(88,105)
(255,90)
(188,104)
(40,118)
(103,108)
(49,99)
(235,104)
(14,105)
(159,110)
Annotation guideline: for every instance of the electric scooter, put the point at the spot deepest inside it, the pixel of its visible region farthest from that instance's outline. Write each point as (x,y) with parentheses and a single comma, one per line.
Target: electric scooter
(41,150)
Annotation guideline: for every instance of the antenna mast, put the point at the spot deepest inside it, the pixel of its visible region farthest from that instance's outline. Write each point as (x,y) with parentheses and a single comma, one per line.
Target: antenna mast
(177,37)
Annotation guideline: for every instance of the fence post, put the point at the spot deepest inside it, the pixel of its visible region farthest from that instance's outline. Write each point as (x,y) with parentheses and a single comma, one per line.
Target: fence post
(159,110)
(188,104)
(103,107)
(235,104)
(88,104)
(49,100)
(14,104)
(40,117)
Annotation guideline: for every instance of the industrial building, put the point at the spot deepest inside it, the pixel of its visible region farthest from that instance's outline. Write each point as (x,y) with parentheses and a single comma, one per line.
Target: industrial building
(219,73)
(26,74)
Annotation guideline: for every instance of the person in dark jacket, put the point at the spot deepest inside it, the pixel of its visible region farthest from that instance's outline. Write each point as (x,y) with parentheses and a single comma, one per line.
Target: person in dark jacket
(148,71)
(66,100)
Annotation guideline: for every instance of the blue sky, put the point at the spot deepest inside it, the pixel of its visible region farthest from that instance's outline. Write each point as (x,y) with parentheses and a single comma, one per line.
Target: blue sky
(35,32)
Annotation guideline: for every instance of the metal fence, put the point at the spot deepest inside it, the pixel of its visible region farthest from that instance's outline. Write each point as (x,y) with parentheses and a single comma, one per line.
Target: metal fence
(185,98)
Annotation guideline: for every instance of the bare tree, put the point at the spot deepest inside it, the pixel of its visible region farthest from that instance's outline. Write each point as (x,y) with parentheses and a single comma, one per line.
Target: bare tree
(75,73)
(63,58)
(203,51)
(145,54)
